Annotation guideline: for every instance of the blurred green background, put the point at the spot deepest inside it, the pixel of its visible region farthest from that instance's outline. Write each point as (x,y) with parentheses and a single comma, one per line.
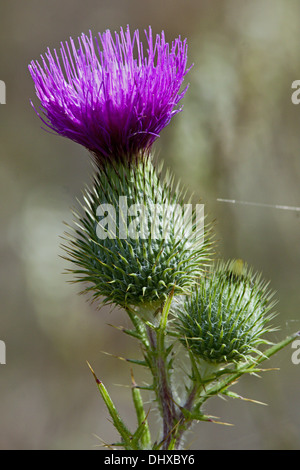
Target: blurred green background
(238,138)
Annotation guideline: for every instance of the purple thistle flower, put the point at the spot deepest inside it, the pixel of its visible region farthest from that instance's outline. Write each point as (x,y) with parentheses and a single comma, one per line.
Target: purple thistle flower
(102,97)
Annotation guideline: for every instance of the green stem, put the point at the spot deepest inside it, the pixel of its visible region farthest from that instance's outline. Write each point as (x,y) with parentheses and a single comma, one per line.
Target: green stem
(141,415)
(161,370)
(140,329)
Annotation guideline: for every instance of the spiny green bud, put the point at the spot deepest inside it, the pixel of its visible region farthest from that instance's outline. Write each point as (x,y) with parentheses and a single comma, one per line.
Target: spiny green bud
(135,244)
(226,318)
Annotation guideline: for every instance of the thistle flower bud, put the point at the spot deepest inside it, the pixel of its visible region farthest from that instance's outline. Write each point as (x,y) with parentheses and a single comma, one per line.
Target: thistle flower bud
(134,243)
(226,318)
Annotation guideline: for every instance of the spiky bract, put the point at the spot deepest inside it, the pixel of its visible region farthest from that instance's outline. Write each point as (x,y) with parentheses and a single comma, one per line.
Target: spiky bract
(226,318)
(144,249)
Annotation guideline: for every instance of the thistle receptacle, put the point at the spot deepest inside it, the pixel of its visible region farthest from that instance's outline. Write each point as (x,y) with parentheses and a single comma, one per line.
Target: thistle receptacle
(135,243)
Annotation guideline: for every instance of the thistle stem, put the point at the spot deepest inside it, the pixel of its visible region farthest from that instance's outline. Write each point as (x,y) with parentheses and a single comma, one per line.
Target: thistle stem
(163,388)
(184,423)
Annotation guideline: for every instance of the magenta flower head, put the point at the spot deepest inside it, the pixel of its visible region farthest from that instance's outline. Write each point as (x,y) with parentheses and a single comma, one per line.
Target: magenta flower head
(103,97)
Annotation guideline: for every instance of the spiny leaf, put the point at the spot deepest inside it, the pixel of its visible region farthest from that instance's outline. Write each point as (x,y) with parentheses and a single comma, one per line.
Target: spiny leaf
(231,394)
(193,415)
(132,361)
(117,421)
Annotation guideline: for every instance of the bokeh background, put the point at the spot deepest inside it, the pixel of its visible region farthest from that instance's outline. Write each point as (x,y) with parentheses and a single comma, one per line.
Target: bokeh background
(238,138)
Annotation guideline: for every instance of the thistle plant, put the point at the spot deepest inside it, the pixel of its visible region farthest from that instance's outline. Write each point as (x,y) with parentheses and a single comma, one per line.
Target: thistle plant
(138,243)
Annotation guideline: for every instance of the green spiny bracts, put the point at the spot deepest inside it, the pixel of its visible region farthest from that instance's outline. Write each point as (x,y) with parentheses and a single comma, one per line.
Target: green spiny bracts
(227,316)
(133,244)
